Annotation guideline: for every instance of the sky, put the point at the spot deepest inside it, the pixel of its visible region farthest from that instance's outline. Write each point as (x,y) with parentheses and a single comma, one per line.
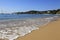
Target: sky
(9,6)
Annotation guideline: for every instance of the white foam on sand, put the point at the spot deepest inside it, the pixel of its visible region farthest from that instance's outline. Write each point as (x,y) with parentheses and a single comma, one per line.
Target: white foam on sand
(12,29)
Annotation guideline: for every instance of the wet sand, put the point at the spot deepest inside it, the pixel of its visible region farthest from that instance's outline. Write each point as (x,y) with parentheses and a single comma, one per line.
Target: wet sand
(50,31)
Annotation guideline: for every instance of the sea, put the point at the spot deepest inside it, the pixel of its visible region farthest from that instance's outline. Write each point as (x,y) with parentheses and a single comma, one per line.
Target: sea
(13,26)
(24,16)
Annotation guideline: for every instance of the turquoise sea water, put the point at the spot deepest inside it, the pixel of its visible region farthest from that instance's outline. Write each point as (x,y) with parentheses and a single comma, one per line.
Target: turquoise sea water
(23,16)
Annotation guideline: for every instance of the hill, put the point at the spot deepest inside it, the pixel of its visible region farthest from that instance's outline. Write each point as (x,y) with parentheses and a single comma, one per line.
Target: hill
(40,12)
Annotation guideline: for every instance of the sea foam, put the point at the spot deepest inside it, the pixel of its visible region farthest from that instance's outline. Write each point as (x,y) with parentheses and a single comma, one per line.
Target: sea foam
(12,29)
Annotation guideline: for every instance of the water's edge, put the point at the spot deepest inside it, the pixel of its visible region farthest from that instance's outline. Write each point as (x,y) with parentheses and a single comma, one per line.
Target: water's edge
(12,29)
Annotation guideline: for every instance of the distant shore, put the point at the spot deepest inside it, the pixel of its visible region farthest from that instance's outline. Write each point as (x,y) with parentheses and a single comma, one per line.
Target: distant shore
(57,11)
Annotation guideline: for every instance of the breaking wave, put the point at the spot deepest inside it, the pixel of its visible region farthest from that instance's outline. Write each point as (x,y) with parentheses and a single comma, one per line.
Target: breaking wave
(11,29)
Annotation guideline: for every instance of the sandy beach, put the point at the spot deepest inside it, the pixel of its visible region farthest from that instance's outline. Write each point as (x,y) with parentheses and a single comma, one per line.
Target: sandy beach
(50,31)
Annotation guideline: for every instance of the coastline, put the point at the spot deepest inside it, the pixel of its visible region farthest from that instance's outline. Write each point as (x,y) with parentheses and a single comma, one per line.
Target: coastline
(24,27)
(47,32)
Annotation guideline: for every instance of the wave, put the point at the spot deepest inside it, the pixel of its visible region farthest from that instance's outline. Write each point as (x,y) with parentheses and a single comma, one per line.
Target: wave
(11,29)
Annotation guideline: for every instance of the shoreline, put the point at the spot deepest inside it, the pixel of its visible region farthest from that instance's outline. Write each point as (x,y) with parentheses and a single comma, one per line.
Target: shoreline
(29,29)
(45,32)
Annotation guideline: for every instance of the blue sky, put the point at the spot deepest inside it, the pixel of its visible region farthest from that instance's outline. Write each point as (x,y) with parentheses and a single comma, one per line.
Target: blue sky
(25,5)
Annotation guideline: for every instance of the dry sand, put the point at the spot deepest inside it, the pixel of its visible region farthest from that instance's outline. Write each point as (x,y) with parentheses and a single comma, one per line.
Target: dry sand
(47,32)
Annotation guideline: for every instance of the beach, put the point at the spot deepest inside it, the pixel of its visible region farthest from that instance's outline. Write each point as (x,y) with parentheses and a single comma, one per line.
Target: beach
(24,29)
(51,31)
